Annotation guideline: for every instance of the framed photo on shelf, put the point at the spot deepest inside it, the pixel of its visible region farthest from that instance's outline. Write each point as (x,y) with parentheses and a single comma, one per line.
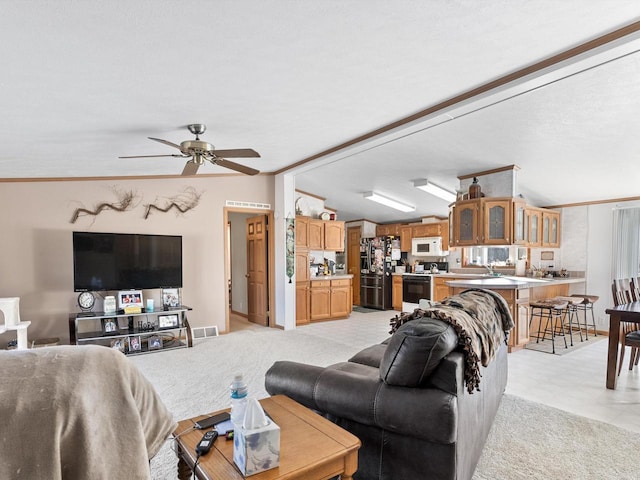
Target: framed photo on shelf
(170,298)
(134,344)
(168,321)
(119,344)
(155,343)
(129,298)
(110,326)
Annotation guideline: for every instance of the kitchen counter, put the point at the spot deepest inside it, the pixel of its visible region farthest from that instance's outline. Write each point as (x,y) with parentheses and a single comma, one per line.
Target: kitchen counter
(511,283)
(341,276)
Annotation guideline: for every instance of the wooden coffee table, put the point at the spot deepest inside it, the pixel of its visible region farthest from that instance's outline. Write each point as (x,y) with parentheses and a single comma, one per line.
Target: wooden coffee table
(311,447)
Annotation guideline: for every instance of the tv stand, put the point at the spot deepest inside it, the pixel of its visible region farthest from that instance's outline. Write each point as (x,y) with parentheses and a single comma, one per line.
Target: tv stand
(133,334)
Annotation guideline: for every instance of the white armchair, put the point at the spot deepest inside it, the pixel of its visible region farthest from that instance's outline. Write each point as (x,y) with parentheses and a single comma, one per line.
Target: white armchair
(10,309)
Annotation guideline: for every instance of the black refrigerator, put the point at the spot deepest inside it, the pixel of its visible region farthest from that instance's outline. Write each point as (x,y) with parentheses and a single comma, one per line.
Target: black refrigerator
(378,257)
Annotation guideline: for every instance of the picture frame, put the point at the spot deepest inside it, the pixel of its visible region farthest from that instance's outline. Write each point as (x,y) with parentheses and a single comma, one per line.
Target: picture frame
(170,298)
(134,344)
(155,342)
(168,321)
(130,298)
(119,344)
(110,326)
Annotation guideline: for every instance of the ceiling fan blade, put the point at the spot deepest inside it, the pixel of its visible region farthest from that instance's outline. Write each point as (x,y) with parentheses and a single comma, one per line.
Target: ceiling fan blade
(235,166)
(166,142)
(149,156)
(190,168)
(236,153)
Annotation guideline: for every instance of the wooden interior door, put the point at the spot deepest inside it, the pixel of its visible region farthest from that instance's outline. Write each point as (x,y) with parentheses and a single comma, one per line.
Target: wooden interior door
(257,270)
(353,260)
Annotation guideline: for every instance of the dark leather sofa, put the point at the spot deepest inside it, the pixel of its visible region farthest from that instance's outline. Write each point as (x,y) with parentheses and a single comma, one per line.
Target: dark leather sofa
(406,400)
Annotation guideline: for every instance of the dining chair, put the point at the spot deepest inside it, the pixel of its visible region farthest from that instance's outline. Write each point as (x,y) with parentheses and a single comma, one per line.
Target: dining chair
(623,292)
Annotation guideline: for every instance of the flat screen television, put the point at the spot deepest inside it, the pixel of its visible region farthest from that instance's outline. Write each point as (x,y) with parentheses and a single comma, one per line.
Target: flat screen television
(124,261)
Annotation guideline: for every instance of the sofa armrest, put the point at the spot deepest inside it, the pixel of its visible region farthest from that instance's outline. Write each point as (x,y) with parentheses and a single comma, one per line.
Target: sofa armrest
(355,392)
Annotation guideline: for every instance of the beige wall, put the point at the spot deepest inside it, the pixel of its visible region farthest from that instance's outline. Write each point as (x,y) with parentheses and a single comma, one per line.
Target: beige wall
(35,244)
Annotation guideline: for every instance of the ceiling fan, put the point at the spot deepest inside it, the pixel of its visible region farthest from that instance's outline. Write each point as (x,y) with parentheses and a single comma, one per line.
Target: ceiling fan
(198,151)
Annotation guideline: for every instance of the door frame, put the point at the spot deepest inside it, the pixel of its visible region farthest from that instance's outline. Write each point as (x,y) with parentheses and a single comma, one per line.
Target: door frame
(270,260)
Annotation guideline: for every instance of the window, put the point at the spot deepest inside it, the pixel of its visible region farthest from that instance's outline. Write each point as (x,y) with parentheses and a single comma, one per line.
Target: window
(494,256)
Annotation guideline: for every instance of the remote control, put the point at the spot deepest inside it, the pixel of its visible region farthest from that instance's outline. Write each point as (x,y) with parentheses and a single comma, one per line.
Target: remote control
(207,441)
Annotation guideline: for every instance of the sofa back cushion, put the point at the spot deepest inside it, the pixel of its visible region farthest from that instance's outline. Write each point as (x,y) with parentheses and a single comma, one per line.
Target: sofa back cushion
(415,350)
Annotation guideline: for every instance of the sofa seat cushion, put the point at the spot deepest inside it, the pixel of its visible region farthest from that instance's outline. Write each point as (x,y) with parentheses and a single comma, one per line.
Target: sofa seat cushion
(415,350)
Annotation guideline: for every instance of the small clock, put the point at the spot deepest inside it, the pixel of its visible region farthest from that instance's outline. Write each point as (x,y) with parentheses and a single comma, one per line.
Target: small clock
(86,301)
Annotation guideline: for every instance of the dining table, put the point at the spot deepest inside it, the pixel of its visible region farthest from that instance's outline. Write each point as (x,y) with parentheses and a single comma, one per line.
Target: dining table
(628,312)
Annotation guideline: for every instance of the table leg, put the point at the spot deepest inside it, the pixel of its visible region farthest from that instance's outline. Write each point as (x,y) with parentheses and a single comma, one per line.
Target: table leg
(184,471)
(350,466)
(612,356)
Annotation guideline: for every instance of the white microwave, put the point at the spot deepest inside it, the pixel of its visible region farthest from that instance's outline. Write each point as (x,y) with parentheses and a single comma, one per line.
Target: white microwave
(427,247)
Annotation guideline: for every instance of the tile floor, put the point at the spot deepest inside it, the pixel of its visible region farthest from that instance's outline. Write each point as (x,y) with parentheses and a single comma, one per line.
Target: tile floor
(574,382)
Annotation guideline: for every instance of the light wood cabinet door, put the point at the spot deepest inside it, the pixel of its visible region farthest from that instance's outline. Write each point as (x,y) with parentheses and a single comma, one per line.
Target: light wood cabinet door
(440,288)
(496,228)
(302,264)
(465,223)
(320,300)
(316,234)
(334,236)
(534,216)
(388,229)
(406,235)
(302,231)
(550,228)
(302,303)
(520,223)
(444,233)
(396,293)
(427,230)
(340,302)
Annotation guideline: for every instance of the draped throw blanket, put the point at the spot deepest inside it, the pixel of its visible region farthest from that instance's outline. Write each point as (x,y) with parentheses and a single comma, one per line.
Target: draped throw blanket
(482,320)
(77,412)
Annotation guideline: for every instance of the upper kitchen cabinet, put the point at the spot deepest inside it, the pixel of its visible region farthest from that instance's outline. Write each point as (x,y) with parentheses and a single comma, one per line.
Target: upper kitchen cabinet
(325,235)
(503,221)
(387,229)
(406,235)
(550,228)
(302,231)
(422,230)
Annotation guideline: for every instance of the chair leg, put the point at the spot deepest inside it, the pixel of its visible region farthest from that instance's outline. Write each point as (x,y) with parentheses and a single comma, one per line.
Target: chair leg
(593,320)
(633,357)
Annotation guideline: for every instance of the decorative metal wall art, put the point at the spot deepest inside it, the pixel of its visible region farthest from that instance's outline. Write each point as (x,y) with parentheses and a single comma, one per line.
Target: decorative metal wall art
(185,201)
(125,202)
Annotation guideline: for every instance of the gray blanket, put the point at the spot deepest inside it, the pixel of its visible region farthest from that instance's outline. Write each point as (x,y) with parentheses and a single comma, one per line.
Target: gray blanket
(77,412)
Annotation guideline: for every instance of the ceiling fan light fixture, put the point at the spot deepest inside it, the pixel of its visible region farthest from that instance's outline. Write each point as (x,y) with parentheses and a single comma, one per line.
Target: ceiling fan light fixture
(389,202)
(436,190)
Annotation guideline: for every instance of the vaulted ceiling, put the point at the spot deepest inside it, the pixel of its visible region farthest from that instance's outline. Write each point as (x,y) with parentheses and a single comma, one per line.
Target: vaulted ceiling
(84,83)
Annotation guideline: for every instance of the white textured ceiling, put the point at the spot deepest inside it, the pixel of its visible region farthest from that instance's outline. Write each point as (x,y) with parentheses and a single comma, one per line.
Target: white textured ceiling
(82,83)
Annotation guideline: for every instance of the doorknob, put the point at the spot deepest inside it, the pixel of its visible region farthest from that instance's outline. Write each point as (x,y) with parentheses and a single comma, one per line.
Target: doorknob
(247,275)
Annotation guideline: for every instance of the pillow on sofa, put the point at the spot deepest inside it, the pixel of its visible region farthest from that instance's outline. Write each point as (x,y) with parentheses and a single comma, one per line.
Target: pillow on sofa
(415,350)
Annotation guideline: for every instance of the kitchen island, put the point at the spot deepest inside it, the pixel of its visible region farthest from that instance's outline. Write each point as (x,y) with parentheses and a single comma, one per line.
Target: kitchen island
(518,292)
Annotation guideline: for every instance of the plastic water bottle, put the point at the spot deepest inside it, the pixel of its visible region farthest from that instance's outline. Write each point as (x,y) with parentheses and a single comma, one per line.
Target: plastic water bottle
(238,399)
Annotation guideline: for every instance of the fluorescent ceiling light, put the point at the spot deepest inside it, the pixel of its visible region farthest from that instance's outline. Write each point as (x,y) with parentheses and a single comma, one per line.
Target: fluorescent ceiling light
(434,189)
(389,202)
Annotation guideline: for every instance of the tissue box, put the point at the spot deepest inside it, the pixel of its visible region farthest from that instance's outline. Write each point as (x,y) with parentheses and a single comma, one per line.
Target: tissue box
(258,449)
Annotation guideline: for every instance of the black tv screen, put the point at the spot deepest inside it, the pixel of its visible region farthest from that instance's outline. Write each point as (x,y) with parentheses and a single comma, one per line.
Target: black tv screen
(124,261)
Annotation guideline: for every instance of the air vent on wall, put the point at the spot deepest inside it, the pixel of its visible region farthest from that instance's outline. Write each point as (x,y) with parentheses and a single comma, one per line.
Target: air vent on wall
(263,206)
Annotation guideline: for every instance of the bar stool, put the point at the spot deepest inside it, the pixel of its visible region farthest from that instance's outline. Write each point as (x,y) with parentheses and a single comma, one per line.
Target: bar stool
(571,312)
(552,310)
(587,304)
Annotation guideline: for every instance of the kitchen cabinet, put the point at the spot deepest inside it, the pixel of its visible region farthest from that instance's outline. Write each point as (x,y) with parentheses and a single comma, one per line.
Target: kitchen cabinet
(534,219)
(302,303)
(325,235)
(465,223)
(330,299)
(406,235)
(302,231)
(302,264)
(550,228)
(340,298)
(396,292)
(387,229)
(503,221)
(427,230)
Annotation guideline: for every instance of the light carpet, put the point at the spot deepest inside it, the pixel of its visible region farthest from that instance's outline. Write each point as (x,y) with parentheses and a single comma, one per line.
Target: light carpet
(528,440)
